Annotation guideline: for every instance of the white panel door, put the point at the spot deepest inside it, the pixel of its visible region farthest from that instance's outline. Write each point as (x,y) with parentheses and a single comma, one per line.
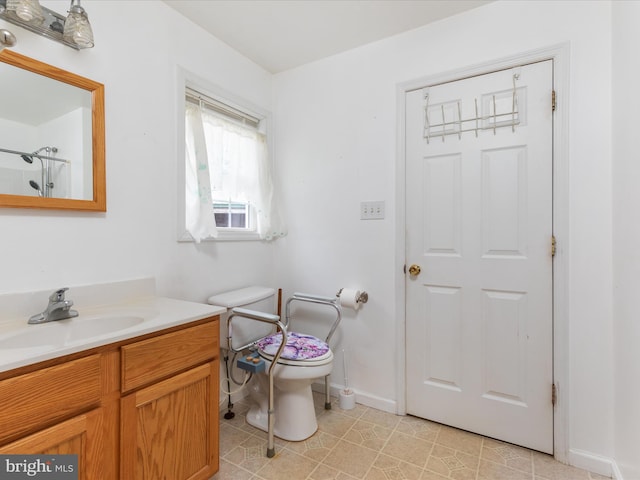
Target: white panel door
(479,225)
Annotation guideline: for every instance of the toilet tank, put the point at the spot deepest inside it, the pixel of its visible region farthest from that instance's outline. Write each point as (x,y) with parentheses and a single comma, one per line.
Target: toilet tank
(244,331)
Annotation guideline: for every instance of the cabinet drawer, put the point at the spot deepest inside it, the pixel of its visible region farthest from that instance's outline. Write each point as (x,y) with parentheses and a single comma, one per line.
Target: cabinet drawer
(150,360)
(39,398)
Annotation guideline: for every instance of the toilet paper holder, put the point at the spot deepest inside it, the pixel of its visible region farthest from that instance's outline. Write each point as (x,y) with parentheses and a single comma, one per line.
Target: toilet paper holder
(362,298)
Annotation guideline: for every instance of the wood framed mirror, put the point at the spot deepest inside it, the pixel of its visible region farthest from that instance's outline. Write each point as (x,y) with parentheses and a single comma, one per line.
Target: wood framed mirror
(52,137)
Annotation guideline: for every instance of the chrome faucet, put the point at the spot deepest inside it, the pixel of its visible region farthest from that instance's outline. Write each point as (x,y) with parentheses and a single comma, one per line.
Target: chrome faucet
(58,309)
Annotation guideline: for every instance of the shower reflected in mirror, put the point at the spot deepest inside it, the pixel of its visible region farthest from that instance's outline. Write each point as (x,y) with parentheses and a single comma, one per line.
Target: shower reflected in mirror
(52,172)
(35,186)
(45,171)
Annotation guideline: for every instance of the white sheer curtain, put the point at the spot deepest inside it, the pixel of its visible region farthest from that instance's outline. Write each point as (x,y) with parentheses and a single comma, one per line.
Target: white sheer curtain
(199,218)
(270,223)
(234,167)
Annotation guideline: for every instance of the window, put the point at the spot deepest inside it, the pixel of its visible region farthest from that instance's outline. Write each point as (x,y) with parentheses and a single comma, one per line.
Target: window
(228,188)
(231,215)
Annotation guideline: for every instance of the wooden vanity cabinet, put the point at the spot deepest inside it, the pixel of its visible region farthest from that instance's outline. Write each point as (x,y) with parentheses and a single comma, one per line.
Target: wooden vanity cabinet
(81,435)
(141,409)
(169,423)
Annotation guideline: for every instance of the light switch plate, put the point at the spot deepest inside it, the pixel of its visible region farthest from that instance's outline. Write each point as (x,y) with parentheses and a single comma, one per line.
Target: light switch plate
(372,210)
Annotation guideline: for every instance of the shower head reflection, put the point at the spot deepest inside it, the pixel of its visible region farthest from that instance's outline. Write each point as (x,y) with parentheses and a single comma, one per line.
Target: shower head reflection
(35,186)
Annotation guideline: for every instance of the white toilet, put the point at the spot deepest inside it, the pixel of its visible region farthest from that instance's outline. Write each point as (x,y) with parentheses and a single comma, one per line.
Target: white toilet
(304,359)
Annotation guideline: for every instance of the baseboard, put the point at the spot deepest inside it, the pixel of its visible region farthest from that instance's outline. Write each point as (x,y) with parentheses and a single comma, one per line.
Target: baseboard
(594,463)
(616,474)
(623,472)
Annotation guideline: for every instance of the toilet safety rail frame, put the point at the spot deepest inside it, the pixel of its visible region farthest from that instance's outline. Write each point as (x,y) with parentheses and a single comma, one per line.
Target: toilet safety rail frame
(273,320)
(320,300)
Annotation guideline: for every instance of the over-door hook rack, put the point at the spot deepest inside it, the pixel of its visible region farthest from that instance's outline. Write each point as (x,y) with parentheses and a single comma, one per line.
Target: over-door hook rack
(458,126)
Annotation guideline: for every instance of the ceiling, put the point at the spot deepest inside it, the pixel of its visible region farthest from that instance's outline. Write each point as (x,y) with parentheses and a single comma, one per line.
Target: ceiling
(283,34)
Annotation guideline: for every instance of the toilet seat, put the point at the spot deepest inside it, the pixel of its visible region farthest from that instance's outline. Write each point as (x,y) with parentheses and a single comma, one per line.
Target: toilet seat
(301,349)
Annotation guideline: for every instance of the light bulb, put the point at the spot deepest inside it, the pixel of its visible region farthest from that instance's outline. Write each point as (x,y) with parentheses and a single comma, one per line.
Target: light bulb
(27,10)
(77,28)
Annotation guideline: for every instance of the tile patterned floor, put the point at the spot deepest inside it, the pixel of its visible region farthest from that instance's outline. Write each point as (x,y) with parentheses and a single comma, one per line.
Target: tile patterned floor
(368,444)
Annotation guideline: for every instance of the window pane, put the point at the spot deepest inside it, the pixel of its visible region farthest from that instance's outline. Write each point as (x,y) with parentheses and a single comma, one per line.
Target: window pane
(238,220)
(222,220)
(231,214)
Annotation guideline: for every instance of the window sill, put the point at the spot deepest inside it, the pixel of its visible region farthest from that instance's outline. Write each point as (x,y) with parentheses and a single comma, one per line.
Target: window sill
(231,235)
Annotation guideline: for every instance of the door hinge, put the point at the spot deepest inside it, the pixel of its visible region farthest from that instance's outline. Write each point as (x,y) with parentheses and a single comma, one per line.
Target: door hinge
(553,100)
(554,394)
(553,245)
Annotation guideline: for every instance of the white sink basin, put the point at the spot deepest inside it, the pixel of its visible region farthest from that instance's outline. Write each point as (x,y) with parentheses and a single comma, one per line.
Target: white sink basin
(83,328)
(48,336)
(69,331)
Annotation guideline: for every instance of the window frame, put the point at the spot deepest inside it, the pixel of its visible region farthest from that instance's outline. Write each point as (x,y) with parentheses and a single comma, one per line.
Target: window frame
(187,80)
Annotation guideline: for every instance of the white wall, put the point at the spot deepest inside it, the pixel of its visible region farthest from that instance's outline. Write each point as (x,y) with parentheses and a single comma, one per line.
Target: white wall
(137,53)
(336,146)
(626,235)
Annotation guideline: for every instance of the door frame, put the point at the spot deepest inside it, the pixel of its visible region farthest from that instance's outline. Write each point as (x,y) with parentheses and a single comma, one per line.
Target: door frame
(559,54)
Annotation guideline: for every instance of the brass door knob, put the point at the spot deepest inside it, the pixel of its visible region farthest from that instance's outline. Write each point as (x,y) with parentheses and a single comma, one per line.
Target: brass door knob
(414,270)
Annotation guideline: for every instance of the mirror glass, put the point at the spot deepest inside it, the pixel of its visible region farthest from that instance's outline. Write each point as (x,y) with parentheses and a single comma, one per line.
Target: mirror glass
(51,137)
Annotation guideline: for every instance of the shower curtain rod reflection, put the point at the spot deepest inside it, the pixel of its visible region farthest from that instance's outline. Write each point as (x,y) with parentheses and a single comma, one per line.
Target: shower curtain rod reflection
(37,155)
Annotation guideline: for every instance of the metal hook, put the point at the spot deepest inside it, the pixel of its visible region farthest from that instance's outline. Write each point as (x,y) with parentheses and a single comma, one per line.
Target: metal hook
(514,103)
(495,115)
(459,120)
(427,125)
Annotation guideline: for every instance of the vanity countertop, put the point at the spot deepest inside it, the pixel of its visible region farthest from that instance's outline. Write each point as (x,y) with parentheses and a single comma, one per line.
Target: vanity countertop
(23,344)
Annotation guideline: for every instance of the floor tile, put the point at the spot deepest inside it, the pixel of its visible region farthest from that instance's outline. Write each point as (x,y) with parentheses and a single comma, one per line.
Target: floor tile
(466,442)
(408,449)
(392,468)
(495,471)
(229,471)
(368,444)
(335,423)
(316,447)
(287,465)
(368,435)
(452,463)
(419,428)
(350,458)
(509,455)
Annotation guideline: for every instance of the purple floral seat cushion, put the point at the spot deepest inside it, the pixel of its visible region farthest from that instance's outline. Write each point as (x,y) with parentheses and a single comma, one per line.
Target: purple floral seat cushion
(299,346)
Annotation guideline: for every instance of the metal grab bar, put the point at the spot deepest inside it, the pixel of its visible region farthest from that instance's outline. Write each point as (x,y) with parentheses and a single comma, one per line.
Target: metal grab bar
(307,297)
(320,300)
(274,320)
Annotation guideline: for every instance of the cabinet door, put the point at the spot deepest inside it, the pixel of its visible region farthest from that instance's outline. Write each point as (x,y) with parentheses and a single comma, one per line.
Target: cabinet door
(80,435)
(169,430)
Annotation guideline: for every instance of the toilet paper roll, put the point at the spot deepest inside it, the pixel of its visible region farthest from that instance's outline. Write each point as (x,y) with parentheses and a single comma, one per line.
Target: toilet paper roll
(349,298)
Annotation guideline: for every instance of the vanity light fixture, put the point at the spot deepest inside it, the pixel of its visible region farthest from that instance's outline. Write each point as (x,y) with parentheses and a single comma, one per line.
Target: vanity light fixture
(74,30)
(7,39)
